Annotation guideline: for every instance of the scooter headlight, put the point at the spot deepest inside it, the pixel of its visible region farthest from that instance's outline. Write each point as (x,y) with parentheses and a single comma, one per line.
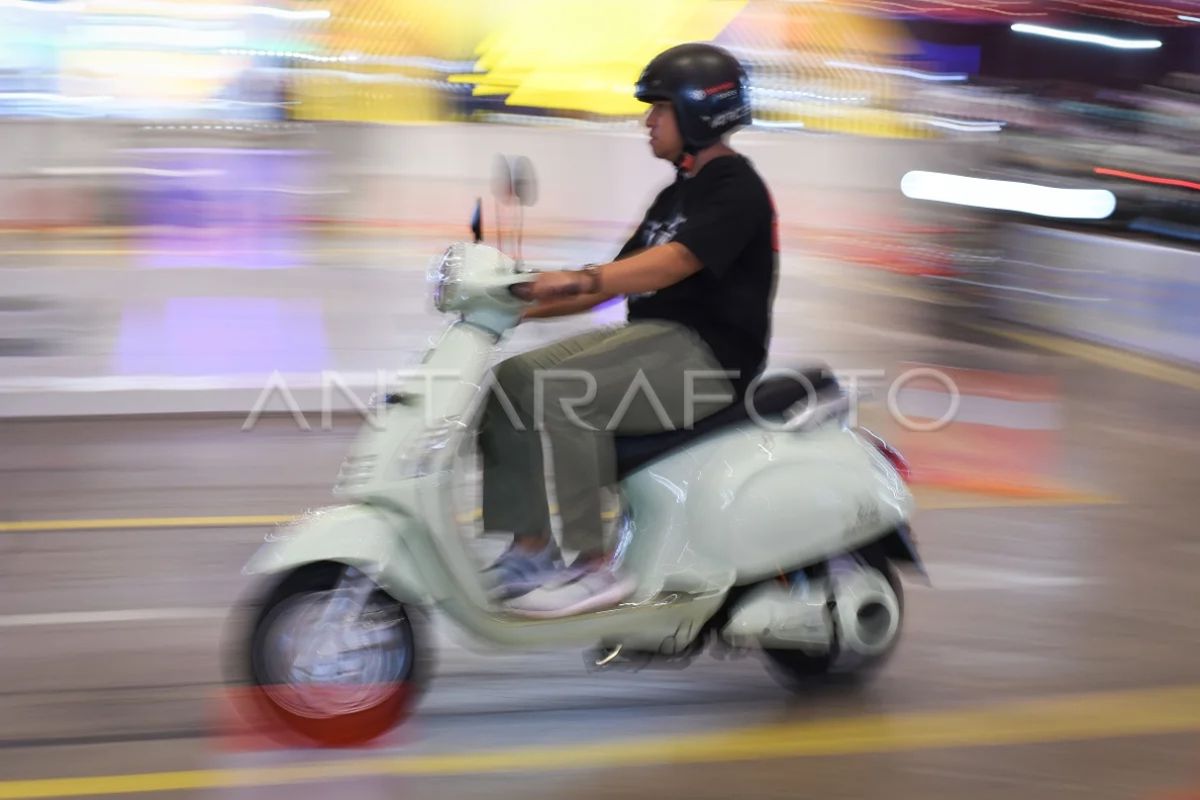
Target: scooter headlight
(446,275)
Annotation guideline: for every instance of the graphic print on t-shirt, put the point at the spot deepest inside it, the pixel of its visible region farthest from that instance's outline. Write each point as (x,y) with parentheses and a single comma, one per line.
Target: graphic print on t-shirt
(658,232)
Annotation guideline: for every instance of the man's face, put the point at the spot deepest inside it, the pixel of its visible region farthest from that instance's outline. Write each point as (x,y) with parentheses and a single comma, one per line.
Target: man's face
(665,139)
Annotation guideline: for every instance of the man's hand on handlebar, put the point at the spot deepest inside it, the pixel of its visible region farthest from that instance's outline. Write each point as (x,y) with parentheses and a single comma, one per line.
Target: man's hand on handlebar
(556,285)
(560,293)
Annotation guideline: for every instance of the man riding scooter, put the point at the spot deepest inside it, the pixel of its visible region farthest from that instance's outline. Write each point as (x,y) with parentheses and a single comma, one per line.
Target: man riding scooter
(699,275)
(777,529)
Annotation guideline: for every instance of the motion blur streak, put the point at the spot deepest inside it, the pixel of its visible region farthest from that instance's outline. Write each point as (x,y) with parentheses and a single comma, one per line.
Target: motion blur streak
(1078,718)
(216,224)
(1088,38)
(1161,181)
(1027,198)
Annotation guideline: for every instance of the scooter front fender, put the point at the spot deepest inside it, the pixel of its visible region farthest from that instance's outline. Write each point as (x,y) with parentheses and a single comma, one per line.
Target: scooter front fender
(370,539)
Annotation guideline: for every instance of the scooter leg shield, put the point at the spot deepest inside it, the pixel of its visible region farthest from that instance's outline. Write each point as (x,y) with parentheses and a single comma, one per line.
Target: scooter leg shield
(369,539)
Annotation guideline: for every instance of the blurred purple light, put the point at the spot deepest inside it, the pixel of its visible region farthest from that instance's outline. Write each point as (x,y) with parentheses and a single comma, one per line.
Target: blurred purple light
(222,336)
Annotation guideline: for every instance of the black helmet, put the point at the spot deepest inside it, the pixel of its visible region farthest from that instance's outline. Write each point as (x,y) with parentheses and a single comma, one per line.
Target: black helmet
(707,87)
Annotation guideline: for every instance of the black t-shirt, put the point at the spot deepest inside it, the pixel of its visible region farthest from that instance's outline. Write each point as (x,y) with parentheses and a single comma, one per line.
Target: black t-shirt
(725,216)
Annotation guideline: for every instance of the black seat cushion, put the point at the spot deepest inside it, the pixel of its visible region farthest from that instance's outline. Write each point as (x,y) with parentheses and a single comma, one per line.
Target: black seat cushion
(772,397)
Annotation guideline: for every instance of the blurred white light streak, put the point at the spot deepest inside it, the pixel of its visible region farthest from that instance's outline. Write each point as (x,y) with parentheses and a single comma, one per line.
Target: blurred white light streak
(422,62)
(770,123)
(1026,198)
(184,10)
(905,73)
(159,37)
(108,617)
(1036,265)
(554,122)
(972,578)
(297,192)
(225,151)
(1087,38)
(28,5)
(342,59)
(202,10)
(968,126)
(363,77)
(1022,290)
(56,98)
(251,103)
(156,173)
(124,68)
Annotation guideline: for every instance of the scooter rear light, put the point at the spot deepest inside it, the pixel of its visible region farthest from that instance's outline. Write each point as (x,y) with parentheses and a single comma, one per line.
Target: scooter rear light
(890,453)
(896,460)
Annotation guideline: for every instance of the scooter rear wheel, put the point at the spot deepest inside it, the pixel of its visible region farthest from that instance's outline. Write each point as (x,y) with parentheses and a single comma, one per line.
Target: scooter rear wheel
(797,669)
(332,679)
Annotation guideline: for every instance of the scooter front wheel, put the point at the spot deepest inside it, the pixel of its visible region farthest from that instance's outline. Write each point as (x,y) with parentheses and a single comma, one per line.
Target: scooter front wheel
(331,664)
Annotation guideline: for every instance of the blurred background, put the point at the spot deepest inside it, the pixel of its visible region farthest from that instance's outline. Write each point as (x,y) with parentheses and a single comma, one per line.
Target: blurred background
(200,201)
(215,141)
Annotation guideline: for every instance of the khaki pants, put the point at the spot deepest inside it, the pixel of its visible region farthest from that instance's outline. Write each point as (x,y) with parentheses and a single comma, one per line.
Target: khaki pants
(645,376)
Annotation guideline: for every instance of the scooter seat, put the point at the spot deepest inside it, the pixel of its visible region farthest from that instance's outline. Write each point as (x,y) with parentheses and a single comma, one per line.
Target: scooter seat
(772,397)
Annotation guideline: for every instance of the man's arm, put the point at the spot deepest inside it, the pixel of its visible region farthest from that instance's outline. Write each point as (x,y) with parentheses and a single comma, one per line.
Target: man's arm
(647,271)
(546,309)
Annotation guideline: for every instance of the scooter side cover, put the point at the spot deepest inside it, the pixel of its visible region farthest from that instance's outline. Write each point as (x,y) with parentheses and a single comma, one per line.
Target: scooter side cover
(761,502)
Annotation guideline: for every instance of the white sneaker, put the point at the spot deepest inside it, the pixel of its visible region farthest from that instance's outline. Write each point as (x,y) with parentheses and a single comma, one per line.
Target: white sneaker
(587,590)
(517,572)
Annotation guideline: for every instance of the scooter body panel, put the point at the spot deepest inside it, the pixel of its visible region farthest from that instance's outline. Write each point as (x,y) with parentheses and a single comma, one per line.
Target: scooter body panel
(740,505)
(749,502)
(360,536)
(401,558)
(416,436)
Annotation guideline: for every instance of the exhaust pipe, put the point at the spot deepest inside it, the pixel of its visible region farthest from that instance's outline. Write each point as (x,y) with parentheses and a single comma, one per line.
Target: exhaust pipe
(783,617)
(864,618)
(866,611)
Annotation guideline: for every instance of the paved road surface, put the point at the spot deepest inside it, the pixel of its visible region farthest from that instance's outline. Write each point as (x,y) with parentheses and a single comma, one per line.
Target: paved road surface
(1057,654)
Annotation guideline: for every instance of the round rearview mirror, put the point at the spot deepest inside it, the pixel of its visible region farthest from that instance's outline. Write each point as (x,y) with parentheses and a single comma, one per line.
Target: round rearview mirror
(502,180)
(524,181)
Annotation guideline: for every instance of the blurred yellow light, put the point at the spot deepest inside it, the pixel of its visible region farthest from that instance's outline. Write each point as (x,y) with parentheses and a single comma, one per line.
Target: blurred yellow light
(388,29)
(585,56)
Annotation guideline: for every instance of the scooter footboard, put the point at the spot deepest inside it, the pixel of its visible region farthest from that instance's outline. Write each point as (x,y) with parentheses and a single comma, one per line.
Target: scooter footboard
(367,538)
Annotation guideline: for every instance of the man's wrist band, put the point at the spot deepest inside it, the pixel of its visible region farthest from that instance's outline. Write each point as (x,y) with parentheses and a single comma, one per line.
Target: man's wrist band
(593,274)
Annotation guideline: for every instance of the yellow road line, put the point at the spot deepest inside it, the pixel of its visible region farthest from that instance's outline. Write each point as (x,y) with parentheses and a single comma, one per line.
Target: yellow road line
(926,501)
(1110,357)
(952,502)
(140,523)
(1084,717)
